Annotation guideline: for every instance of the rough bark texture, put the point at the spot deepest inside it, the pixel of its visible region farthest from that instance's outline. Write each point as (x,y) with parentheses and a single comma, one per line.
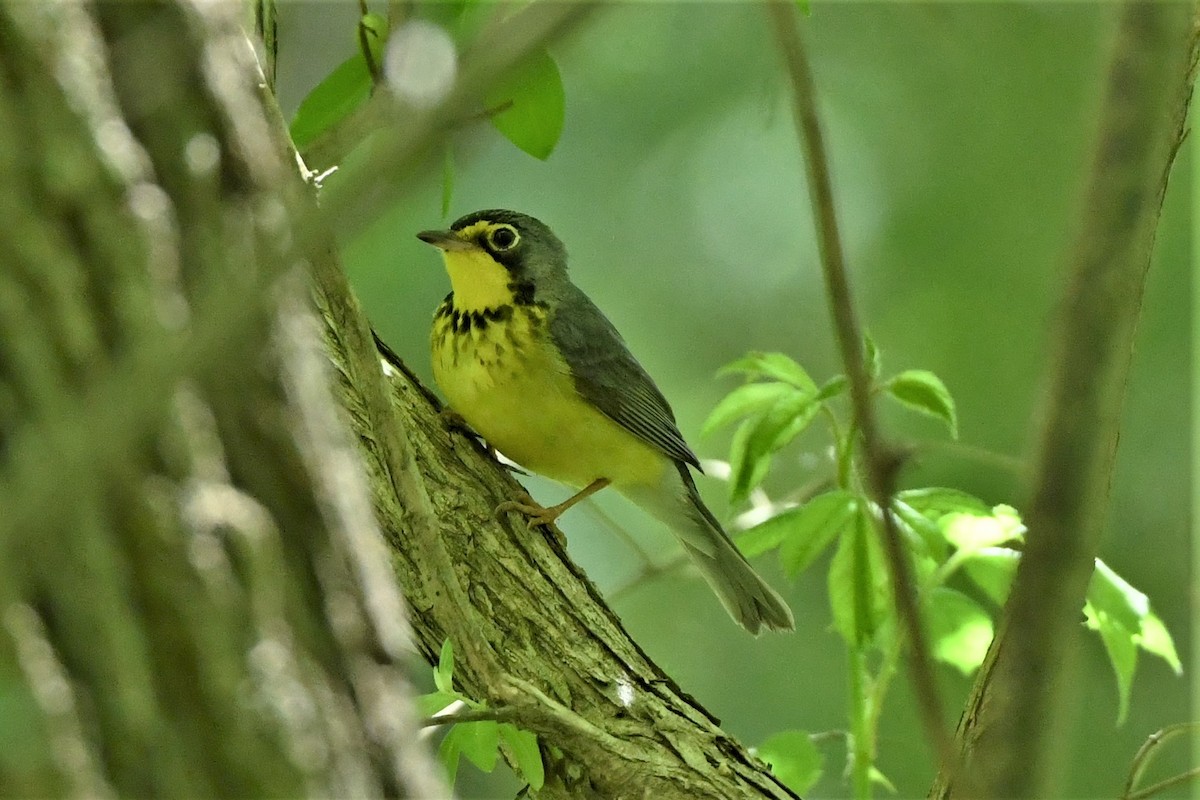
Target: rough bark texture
(192,602)
(1012,729)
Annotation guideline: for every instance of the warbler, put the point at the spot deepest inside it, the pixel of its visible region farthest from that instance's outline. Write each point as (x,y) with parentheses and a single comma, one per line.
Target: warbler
(534,367)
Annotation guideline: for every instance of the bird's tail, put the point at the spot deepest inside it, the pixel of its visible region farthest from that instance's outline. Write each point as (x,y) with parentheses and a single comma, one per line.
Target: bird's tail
(745,595)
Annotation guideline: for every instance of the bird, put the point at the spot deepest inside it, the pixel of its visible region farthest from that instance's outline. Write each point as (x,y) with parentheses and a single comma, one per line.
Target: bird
(529,362)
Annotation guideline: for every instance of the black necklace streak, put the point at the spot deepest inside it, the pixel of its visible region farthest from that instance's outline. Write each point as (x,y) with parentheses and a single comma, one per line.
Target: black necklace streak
(463,321)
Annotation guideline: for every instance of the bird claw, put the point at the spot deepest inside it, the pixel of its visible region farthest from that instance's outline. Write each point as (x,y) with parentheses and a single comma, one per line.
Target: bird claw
(534,513)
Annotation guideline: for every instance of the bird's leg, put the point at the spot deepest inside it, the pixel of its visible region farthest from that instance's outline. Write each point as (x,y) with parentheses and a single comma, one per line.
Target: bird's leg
(538,515)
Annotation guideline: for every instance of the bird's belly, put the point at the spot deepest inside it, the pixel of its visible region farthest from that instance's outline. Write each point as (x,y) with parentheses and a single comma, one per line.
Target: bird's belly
(522,400)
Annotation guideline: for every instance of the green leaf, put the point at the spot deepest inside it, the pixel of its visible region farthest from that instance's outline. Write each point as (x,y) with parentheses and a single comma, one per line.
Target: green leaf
(430,704)
(786,419)
(447,180)
(1156,640)
(373,29)
(959,630)
(832,388)
(935,501)
(449,751)
(771,365)
(858,588)
(793,758)
(1121,649)
(443,674)
(523,747)
(972,532)
(928,534)
(923,391)
(871,357)
(479,741)
(878,777)
(1112,595)
(744,401)
(813,526)
(534,120)
(342,91)
(992,569)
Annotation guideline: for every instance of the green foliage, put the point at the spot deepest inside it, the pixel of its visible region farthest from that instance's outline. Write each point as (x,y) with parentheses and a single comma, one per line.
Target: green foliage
(534,105)
(947,532)
(793,758)
(923,391)
(342,91)
(479,740)
(528,107)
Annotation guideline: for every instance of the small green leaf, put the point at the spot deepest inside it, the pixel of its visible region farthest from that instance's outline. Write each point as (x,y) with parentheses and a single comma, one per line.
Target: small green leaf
(430,704)
(771,365)
(744,472)
(858,588)
(1156,640)
(534,105)
(1111,594)
(971,532)
(786,419)
(373,30)
(935,501)
(873,360)
(812,526)
(992,569)
(923,391)
(959,630)
(793,758)
(928,534)
(878,777)
(479,741)
(832,388)
(449,751)
(443,674)
(1122,652)
(342,91)
(743,401)
(523,747)
(447,180)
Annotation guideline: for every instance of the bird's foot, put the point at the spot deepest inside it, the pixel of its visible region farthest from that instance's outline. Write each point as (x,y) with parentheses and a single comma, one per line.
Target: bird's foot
(536,515)
(529,508)
(546,515)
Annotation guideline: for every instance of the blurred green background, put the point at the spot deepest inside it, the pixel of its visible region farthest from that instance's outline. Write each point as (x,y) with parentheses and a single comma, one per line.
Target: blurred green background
(960,135)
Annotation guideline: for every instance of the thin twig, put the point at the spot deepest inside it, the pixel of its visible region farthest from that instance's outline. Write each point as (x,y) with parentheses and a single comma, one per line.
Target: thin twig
(1149,748)
(501,714)
(882,462)
(1163,785)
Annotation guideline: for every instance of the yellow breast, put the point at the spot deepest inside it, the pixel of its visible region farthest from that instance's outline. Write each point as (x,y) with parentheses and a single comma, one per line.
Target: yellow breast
(500,371)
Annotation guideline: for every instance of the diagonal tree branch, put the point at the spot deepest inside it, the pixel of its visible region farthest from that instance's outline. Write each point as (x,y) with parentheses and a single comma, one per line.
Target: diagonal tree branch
(1011,731)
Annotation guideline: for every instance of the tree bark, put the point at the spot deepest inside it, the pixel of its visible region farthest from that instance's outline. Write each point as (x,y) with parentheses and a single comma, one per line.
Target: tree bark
(193,601)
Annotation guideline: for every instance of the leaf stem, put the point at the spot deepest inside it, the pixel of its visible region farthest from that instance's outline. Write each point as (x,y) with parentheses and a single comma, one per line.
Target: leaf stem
(860,740)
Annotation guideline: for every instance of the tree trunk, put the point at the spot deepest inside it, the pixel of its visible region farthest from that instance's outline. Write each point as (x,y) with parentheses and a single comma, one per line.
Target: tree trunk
(193,598)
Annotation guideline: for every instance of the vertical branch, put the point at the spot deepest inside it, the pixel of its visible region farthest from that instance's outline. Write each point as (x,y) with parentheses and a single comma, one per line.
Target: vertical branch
(266,27)
(1014,722)
(882,462)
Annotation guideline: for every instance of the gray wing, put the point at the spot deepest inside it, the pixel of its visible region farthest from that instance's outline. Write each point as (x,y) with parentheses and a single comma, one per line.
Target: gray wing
(609,377)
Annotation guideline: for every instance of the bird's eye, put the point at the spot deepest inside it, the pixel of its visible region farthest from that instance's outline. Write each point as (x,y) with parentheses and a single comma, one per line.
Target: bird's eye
(503,237)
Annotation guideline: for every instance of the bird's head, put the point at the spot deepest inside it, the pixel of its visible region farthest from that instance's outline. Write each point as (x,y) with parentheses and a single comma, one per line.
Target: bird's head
(498,257)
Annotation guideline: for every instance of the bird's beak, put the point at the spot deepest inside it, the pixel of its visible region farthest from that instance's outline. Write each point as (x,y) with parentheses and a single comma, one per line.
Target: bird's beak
(445,240)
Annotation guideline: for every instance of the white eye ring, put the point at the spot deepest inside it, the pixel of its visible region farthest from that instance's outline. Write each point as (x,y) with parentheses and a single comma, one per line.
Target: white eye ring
(499,238)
